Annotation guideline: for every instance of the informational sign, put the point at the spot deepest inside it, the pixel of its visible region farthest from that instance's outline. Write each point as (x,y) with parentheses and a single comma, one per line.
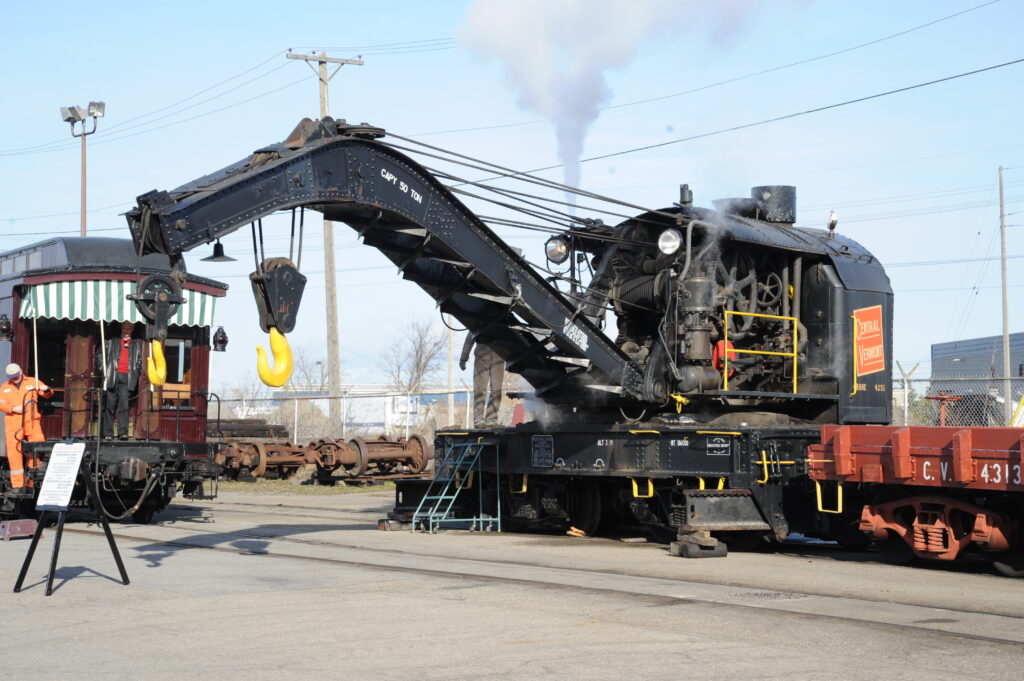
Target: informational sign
(61,474)
(718,445)
(542,450)
(869,340)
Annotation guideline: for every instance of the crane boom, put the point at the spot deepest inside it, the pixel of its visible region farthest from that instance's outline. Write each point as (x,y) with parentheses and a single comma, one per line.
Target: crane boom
(400,208)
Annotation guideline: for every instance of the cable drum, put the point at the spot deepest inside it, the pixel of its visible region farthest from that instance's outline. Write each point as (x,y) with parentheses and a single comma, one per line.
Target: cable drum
(637,292)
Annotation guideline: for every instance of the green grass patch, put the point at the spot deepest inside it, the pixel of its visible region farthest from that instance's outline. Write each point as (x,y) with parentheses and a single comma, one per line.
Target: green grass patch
(264,486)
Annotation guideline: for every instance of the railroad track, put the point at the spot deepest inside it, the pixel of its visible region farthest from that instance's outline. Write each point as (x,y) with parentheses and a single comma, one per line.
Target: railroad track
(423,555)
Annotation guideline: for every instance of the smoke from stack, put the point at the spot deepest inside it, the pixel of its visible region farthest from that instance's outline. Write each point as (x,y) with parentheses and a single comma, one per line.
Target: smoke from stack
(556,53)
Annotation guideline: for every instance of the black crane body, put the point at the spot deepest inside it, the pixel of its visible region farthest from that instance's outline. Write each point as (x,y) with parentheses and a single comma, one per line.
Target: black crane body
(738,334)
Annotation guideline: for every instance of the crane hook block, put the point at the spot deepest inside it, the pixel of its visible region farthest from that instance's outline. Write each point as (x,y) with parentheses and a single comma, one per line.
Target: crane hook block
(156,365)
(282,370)
(277,286)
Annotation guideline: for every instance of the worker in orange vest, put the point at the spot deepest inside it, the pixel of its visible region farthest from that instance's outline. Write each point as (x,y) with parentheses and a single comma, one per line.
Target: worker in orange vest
(18,396)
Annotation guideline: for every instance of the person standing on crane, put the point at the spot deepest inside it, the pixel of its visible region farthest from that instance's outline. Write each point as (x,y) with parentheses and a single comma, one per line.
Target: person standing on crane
(488,377)
(19,395)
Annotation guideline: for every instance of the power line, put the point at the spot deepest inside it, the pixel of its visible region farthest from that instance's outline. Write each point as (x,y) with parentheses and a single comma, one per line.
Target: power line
(796,114)
(766,121)
(64,143)
(955,261)
(58,215)
(727,81)
(351,48)
(116,138)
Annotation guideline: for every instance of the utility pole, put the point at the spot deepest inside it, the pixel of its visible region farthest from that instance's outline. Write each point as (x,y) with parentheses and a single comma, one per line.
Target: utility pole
(1007,397)
(333,351)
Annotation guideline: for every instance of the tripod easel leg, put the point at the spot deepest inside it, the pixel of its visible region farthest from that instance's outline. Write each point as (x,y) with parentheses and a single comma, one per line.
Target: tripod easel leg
(113,547)
(31,552)
(56,551)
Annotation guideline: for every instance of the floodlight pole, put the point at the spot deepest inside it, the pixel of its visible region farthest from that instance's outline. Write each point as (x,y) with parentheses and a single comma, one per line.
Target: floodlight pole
(333,349)
(83,135)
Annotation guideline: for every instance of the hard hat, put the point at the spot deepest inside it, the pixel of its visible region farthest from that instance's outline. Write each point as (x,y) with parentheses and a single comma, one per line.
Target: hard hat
(13,370)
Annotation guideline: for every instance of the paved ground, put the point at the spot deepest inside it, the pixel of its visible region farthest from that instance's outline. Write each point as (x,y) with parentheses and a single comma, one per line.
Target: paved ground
(282,587)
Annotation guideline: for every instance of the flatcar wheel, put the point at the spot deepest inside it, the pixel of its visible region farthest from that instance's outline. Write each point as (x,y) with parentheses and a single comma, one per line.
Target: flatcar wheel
(144,515)
(417,454)
(894,551)
(358,445)
(1010,563)
(583,504)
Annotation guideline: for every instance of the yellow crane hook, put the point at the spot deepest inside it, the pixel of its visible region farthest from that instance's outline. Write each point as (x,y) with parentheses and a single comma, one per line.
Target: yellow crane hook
(282,370)
(156,365)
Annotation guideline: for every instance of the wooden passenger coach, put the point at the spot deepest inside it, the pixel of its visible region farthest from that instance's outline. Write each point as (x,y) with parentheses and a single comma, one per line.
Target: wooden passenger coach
(60,301)
(65,297)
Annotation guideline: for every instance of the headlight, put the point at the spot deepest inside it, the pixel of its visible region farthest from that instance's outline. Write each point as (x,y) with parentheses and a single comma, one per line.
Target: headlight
(557,250)
(670,241)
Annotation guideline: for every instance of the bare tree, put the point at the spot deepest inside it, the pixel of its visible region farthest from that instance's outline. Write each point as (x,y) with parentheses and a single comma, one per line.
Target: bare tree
(309,370)
(245,398)
(414,357)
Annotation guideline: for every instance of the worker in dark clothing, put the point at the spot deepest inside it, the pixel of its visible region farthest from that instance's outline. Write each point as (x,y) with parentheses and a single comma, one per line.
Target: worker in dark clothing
(120,379)
(488,376)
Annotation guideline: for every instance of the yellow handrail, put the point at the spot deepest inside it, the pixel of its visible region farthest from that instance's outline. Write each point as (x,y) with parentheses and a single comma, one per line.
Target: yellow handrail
(764,462)
(636,490)
(522,489)
(839,498)
(728,350)
(1016,413)
(721,483)
(854,318)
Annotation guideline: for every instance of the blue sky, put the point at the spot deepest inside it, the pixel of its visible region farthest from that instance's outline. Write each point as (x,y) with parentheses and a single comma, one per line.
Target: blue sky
(912,176)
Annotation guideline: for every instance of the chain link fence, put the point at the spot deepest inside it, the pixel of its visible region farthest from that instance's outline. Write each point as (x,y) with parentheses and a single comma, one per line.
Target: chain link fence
(957,401)
(381,413)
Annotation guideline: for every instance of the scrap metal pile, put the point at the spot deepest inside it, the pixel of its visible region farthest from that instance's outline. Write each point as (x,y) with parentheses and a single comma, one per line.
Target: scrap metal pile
(252,448)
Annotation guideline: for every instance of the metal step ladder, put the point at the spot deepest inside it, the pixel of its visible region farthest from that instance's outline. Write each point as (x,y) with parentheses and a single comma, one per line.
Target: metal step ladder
(458,470)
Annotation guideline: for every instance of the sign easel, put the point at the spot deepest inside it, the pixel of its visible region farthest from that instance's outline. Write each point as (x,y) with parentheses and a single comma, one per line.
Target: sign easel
(63,469)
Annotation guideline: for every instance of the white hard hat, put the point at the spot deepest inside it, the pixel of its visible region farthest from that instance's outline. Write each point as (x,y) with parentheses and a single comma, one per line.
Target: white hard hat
(13,370)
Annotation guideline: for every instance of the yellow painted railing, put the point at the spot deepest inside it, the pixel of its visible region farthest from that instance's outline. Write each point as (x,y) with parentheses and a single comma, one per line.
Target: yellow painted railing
(727,351)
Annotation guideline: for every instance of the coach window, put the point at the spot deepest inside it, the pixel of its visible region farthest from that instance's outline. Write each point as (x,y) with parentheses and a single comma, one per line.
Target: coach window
(178,354)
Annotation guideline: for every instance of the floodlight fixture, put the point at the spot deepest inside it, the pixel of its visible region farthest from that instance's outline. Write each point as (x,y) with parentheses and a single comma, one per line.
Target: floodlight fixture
(71,114)
(218,254)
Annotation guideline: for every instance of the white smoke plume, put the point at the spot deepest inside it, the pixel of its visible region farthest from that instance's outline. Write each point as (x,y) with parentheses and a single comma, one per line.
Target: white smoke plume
(556,52)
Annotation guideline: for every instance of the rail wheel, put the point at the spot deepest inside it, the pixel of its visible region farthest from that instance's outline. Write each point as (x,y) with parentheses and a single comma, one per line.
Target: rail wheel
(1010,563)
(417,447)
(894,551)
(358,445)
(260,459)
(583,505)
(144,515)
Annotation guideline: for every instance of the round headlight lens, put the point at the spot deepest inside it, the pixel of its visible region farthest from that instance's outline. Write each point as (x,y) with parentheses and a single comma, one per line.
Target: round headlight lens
(670,241)
(557,250)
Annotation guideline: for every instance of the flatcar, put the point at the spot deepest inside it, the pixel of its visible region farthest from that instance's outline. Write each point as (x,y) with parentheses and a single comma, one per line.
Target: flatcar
(60,300)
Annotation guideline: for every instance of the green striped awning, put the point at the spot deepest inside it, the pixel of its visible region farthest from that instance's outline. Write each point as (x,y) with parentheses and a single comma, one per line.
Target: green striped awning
(105,300)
